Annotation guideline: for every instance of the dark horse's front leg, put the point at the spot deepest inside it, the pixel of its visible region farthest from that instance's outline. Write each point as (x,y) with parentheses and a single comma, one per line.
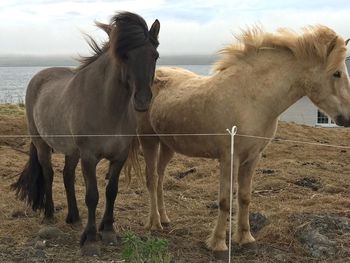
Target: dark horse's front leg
(106,226)
(71,162)
(88,239)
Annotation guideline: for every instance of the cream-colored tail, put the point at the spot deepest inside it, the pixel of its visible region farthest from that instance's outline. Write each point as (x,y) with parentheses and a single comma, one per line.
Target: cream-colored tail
(133,162)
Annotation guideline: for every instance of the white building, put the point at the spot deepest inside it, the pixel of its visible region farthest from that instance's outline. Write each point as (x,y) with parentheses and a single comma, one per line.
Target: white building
(305,112)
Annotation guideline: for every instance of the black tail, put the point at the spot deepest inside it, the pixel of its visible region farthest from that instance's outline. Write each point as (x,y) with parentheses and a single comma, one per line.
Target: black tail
(30,186)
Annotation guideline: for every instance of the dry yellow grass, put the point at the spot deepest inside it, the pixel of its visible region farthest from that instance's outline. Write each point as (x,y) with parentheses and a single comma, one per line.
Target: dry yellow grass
(275,195)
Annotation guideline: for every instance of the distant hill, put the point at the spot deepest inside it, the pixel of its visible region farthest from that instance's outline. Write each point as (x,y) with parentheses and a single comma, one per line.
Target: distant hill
(47,61)
(38,61)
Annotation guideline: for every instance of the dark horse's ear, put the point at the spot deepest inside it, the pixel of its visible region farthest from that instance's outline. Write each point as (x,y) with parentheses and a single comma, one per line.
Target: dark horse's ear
(347,41)
(104,27)
(331,45)
(154,31)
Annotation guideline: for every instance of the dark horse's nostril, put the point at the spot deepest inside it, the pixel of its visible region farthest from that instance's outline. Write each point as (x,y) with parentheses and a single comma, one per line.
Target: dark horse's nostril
(142,101)
(141,105)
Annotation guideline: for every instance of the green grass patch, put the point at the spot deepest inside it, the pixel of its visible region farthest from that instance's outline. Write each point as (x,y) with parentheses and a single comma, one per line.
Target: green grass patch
(149,250)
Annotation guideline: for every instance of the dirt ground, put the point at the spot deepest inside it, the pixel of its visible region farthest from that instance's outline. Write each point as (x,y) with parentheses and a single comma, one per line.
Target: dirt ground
(300,210)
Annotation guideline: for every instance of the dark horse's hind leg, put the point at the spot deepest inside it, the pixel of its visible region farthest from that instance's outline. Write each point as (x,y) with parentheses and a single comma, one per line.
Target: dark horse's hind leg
(106,226)
(71,162)
(88,239)
(44,158)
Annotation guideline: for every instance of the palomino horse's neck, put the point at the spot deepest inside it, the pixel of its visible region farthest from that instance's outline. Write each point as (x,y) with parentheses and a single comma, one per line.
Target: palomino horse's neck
(271,81)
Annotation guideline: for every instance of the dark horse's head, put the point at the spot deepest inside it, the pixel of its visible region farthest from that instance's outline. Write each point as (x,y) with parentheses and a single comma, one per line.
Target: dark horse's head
(135,48)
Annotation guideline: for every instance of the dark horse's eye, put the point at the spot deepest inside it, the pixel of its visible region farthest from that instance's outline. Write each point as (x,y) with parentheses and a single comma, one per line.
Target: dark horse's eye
(337,74)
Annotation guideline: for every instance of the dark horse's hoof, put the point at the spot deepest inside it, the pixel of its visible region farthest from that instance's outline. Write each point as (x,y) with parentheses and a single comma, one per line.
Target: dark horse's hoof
(109,238)
(72,219)
(90,249)
(48,221)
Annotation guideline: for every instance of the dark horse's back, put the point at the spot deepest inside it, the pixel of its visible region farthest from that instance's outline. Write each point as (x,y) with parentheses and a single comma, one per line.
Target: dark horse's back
(50,78)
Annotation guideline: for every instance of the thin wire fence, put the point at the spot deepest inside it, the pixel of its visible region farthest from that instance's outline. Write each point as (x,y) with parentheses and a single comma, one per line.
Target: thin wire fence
(274,139)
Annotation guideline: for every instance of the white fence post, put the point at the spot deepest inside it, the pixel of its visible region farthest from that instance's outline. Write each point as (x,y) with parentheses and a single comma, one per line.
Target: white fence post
(232,132)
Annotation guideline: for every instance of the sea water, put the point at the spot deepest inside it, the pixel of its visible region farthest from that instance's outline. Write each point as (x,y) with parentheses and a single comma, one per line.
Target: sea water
(14,80)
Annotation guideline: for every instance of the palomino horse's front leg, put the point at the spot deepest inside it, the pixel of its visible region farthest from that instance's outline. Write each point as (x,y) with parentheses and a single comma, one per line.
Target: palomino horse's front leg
(106,226)
(217,240)
(165,155)
(245,174)
(150,151)
(88,239)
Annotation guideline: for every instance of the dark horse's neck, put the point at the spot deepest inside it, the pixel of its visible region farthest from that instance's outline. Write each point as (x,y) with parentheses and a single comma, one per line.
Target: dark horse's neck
(116,91)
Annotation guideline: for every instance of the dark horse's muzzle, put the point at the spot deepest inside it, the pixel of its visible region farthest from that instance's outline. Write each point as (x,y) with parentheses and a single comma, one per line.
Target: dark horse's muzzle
(142,101)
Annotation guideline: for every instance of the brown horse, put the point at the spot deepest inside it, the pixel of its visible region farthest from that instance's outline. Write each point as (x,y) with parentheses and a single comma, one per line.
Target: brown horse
(78,111)
(255,81)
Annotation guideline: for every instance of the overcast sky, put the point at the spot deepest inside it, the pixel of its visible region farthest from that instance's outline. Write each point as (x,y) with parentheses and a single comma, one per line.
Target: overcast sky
(55,27)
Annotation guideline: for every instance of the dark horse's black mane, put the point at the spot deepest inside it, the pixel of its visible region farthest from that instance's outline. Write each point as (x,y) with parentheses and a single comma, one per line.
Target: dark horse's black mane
(126,31)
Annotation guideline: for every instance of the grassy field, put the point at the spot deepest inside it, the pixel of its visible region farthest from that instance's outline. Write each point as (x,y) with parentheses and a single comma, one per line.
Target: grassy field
(300,210)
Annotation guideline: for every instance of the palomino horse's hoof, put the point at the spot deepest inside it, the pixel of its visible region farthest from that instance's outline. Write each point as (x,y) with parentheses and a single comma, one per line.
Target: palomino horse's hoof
(221,255)
(249,246)
(154,227)
(166,225)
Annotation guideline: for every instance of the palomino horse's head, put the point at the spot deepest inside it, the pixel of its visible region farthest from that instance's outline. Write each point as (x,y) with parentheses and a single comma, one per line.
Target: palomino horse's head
(135,49)
(329,86)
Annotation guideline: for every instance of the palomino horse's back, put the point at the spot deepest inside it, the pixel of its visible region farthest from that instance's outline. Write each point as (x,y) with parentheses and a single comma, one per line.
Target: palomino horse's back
(164,75)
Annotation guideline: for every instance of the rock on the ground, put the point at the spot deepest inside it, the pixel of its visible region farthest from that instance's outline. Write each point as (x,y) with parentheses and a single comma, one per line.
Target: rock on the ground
(257,222)
(49,232)
(321,235)
(312,183)
(317,245)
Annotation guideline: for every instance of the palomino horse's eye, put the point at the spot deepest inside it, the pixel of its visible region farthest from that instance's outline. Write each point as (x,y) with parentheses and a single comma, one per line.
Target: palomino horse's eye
(337,74)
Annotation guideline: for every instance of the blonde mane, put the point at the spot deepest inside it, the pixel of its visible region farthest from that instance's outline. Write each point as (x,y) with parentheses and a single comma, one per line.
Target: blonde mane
(316,43)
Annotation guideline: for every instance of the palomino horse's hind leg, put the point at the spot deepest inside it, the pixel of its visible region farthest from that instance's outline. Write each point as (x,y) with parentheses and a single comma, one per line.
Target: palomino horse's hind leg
(245,174)
(70,164)
(44,157)
(165,155)
(106,226)
(88,239)
(217,240)
(150,150)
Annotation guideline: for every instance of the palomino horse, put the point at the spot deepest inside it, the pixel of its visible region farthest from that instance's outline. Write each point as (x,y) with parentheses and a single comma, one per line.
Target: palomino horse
(72,110)
(255,81)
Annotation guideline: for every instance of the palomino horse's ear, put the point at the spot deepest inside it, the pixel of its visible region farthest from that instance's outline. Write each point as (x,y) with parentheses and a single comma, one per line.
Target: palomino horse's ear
(347,41)
(331,45)
(154,31)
